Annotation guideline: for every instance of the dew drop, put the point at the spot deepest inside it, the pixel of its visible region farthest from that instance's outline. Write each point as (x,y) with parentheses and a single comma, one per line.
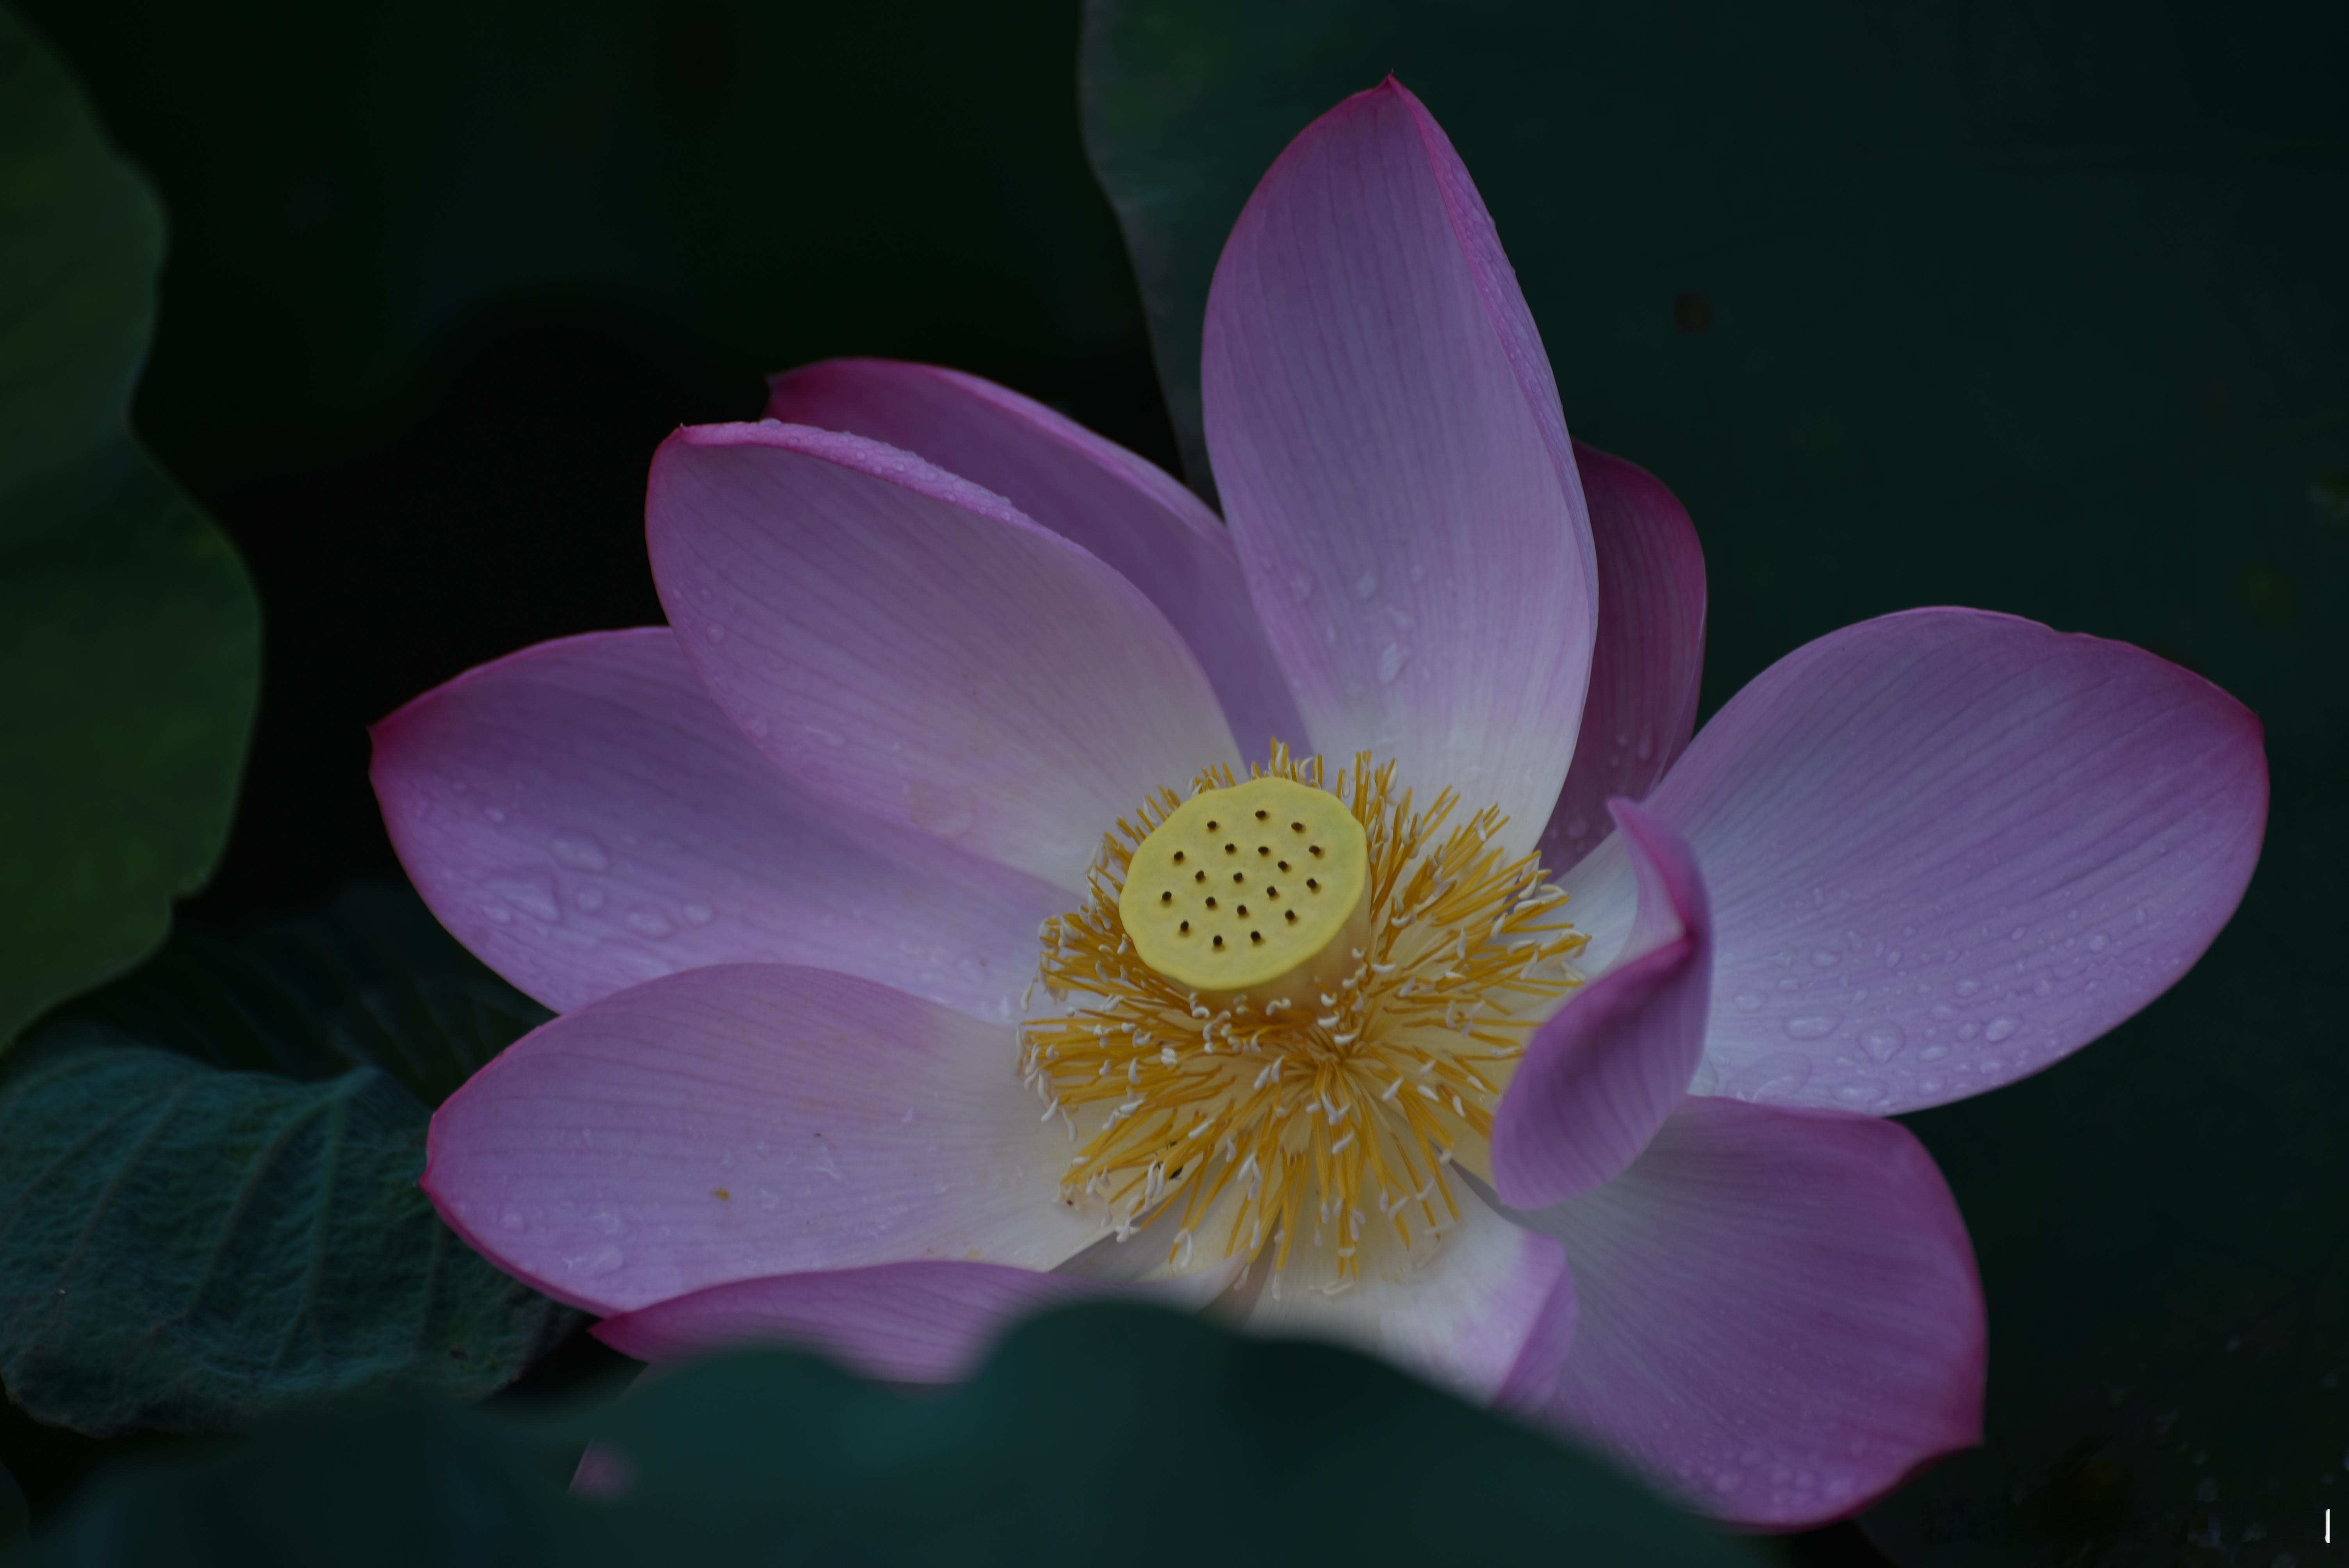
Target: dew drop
(1821,958)
(580,852)
(1392,659)
(495,814)
(1366,585)
(512,1220)
(588,899)
(698,914)
(1882,1042)
(1812,1025)
(1772,1078)
(823,737)
(1860,1091)
(1750,1001)
(1933,1053)
(649,922)
(534,899)
(717,633)
(2000,1027)
(1301,587)
(2097,943)
(1967,986)
(602,1260)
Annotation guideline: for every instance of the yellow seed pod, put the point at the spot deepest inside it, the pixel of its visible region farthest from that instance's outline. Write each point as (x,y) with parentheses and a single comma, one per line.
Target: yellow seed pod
(1256,889)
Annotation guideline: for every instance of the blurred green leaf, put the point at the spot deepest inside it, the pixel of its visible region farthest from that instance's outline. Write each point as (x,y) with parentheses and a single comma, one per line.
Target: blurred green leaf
(372,980)
(192,1249)
(2031,308)
(1101,1435)
(190,1246)
(129,635)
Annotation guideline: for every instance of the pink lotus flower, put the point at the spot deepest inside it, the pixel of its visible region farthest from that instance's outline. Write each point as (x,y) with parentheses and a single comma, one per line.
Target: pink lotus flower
(1330,1063)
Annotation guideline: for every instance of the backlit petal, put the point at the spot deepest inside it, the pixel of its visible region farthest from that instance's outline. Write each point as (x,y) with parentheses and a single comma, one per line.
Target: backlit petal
(1475,1311)
(748,1120)
(582,815)
(908,644)
(1139,520)
(1393,460)
(1945,848)
(1778,1314)
(903,1323)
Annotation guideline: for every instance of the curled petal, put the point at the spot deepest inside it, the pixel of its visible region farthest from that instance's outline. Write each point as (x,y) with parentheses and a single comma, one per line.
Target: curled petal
(908,644)
(582,815)
(1139,520)
(1779,1317)
(1396,471)
(1604,1072)
(742,1120)
(1649,655)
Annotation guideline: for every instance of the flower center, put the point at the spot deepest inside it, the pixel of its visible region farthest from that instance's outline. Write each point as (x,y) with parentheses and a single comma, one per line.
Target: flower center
(1289,1007)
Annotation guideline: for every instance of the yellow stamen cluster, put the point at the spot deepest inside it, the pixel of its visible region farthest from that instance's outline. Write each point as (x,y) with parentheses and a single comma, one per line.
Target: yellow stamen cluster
(1295,1117)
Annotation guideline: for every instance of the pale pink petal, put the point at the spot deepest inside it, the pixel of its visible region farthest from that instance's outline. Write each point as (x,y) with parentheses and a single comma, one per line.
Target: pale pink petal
(1484,1310)
(582,815)
(907,642)
(1601,1076)
(903,1323)
(1779,1317)
(1397,475)
(1645,669)
(748,1120)
(1138,520)
(1945,848)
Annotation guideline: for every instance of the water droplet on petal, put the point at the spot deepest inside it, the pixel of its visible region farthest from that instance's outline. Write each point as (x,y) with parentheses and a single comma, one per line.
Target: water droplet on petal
(1860,1091)
(1882,1042)
(649,922)
(1812,1025)
(1392,659)
(1772,1078)
(1968,986)
(717,633)
(2097,943)
(602,1261)
(698,914)
(588,899)
(1366,585)
(581,851)
(535,899)
(1823,958)
(2000,1027)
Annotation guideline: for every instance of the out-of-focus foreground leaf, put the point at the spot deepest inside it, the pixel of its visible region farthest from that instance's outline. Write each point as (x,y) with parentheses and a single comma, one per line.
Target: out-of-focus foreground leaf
(130,641)
(188,1245)
(2037,308)
(1107,1434)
